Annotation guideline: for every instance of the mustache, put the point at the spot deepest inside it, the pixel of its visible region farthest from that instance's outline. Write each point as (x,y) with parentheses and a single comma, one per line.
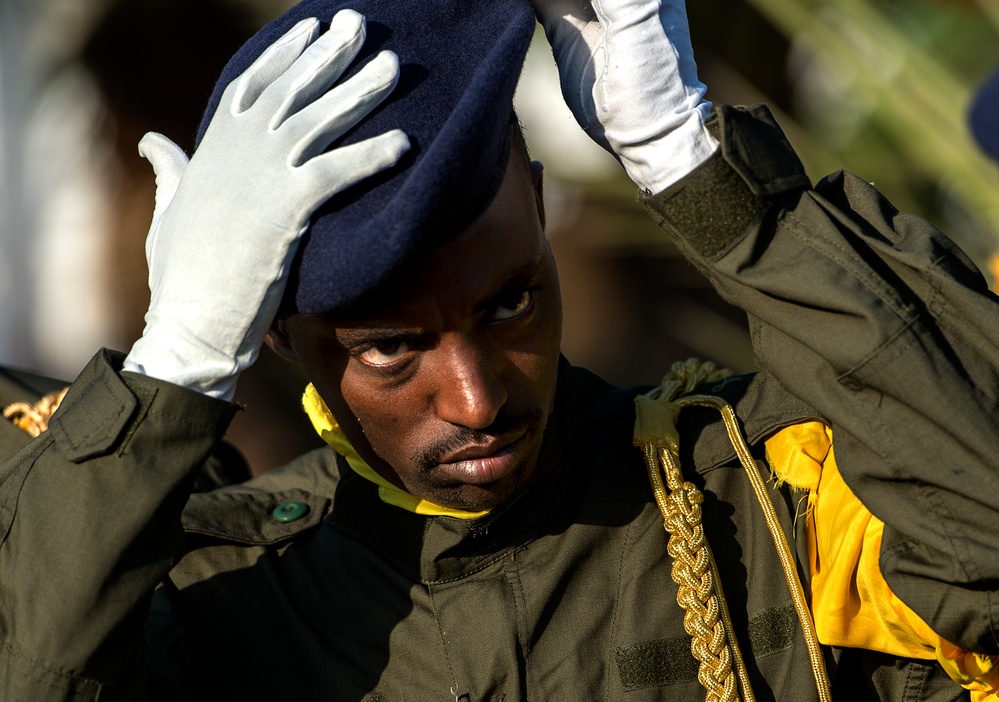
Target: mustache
(508,423)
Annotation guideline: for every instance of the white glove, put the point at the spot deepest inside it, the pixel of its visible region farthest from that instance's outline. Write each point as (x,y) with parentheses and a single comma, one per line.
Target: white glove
(226,224)
(628,75)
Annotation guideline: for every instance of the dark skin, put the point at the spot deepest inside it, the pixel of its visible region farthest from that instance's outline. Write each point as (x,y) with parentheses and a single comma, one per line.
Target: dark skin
(444,382)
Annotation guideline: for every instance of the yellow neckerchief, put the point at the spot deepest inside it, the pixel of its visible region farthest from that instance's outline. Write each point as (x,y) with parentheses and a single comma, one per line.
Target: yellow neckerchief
(852,604)
(328,428)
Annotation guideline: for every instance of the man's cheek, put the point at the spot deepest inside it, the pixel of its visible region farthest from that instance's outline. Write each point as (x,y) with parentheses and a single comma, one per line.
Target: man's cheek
(388,434)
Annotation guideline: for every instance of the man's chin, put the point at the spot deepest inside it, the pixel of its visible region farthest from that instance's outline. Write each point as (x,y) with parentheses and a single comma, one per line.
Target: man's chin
(479,498)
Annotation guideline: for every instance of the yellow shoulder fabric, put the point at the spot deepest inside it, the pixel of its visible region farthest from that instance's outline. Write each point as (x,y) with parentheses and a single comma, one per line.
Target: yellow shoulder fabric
(851,603)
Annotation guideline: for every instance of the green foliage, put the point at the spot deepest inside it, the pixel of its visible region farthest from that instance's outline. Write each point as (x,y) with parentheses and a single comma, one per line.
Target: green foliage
(882,87)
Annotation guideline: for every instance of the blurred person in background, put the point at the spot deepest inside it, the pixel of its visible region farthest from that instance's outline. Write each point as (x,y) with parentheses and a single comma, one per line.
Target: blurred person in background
(485,527)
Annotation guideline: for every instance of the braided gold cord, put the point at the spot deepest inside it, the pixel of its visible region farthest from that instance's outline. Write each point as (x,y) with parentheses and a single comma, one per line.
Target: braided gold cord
(706,619)
(684,376)
(34,419)
(721,670)
(777,534)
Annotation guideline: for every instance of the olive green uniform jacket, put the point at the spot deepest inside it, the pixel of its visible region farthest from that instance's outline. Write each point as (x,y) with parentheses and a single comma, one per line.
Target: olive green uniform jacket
(865,318)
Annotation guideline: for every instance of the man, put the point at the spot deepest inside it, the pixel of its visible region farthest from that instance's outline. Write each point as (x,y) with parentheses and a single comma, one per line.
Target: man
(487,529)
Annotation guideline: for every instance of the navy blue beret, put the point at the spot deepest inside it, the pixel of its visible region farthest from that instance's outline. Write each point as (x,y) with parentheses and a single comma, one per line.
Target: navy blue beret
(983,116)
(460,61)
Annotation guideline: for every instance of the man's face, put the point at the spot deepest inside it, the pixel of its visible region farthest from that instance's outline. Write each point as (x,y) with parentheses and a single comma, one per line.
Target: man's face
(444,383)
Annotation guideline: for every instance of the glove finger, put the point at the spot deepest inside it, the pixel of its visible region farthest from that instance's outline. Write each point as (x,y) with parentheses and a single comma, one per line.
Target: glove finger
(316,126)
(169,163)
(243,92)
(652,39)
(318,67)
(576,37)
(625,11)
(325,175)
(563,12)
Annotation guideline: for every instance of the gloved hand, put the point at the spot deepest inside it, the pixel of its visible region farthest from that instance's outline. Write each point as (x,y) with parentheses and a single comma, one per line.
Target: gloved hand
(226,224)
(628,75)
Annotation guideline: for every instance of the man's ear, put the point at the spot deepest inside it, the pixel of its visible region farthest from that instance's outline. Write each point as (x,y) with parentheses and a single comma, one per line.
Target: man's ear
(278,340)
(538,178)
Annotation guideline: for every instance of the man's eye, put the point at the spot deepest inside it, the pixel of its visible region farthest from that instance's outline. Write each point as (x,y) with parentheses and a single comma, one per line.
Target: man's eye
(384,353)
(514,306)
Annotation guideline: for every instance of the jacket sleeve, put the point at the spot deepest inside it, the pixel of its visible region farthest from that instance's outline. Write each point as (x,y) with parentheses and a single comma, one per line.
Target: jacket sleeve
(89,524)
(884,326)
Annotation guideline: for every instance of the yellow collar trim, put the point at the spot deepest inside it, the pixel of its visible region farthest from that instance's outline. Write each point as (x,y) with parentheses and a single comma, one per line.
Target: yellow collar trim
(328,428)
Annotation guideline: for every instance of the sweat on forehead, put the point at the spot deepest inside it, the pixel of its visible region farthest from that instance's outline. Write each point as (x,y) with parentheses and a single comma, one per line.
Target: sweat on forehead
(460,61)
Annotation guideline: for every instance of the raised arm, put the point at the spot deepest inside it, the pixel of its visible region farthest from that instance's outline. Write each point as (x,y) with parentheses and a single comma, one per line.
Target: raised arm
(90,511)
(872,317)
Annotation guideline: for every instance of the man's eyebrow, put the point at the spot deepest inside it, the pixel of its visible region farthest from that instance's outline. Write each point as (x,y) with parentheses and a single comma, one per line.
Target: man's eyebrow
(367,332)
(349,337)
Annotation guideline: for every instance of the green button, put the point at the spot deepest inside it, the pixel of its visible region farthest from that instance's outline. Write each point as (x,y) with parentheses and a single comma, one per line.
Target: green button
(290,511)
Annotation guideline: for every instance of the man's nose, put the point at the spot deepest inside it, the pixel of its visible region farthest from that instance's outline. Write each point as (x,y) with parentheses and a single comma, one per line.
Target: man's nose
(471,390)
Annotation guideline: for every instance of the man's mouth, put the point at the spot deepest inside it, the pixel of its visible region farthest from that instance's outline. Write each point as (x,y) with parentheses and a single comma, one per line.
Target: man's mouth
(485,463)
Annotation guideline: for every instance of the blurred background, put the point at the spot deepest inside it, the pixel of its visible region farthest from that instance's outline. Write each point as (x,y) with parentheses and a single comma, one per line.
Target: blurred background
(878,87)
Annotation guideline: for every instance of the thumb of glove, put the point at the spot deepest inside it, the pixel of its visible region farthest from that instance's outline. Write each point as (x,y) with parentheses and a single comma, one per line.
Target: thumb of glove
(169,163)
